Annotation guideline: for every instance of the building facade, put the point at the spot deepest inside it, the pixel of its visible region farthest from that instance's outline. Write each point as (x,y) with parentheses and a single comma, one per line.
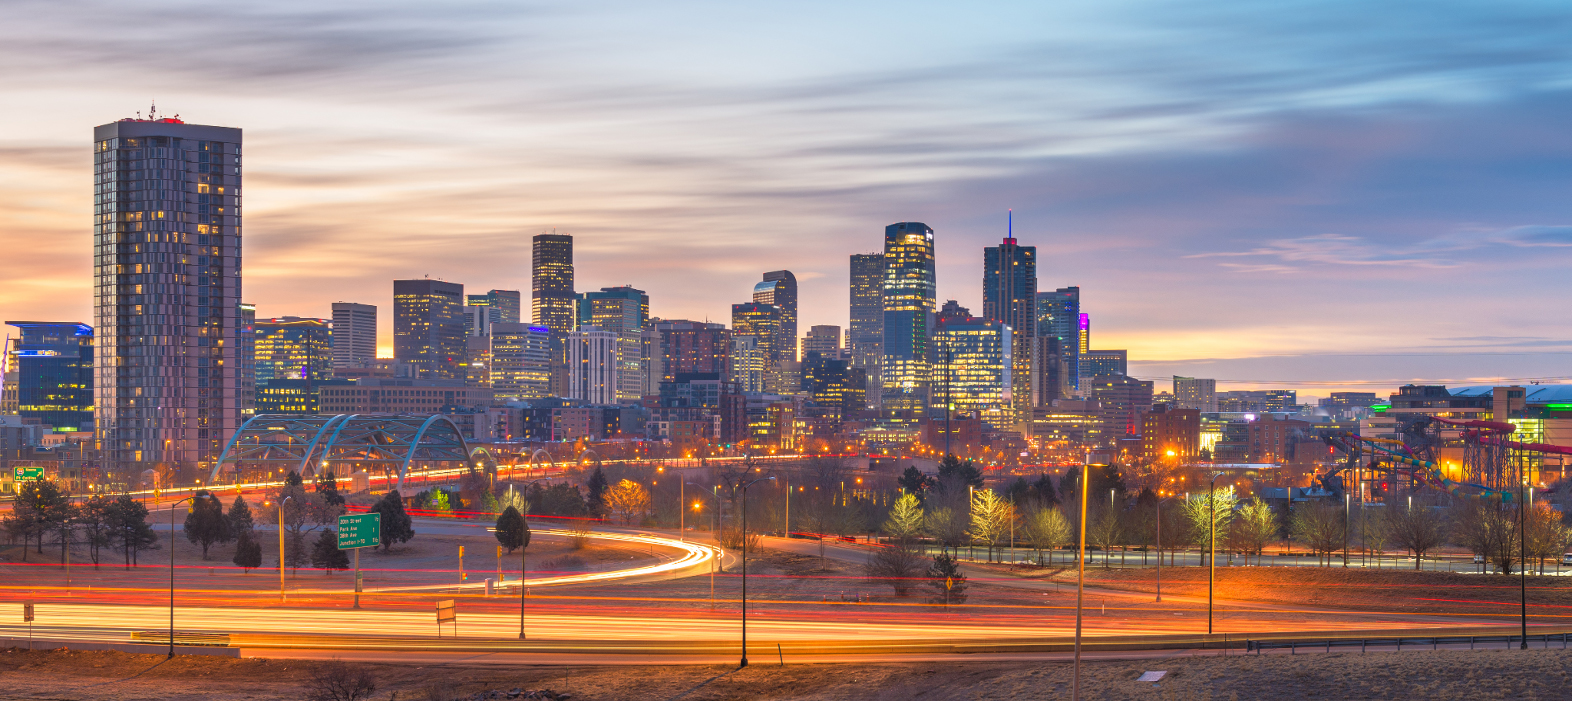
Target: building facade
(593,371)
(824,340)
(1105,362)
(909,290)
(1171,434)
(779,288)
(552,302)
(49,374)
(354,335)
(1195,393)
(1010,298)
(292,348)
(972,366)
(167,284)
(520,361)
(1121,400)
(428,328)
(760,322)
(865,335)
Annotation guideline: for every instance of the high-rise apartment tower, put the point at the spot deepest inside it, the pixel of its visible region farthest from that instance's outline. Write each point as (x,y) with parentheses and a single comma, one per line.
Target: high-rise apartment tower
(354,335)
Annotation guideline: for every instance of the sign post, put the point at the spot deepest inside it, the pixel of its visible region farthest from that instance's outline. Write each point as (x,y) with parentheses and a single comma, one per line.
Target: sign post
(356,531)
(446,613)
(27,474)
(27,617)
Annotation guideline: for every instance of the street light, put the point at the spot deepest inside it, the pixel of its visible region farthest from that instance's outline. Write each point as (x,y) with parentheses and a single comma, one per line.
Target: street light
(281,503)
(1211,549)
(745,566)
(172,574)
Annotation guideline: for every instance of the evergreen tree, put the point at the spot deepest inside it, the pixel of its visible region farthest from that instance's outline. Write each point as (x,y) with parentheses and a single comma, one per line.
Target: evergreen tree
(240,520)
(915,483)
(947,580)
(293,479)
(327,486)
(206,523)
(248,552)
(597,486)
(512,531)
(396,524)
(1019,492)
(965,472)
(131,530)
(325,554)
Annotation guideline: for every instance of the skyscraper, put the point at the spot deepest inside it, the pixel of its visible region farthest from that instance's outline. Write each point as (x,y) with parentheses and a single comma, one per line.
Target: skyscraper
(354,335)
(166,240)
(1105,362)
(824,340)
(551,283)
(592,365)
(622,311)
(1059,315)
(1010,298)
(972,370)
(520,360)
(292,348)
(762,323)
(1193,393)
(865,335)
(49,374)
(780,289)
(428,328)
(688,347)
(502,305)
(909,289)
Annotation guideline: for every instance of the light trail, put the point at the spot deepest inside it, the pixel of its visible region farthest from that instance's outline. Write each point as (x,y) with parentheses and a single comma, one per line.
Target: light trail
(694,556)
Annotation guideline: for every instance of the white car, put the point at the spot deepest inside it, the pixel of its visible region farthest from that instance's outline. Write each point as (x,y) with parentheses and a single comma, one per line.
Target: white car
(1479,559)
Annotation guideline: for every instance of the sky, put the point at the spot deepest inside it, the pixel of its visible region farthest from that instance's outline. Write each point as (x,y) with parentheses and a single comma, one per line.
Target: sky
(1313,195)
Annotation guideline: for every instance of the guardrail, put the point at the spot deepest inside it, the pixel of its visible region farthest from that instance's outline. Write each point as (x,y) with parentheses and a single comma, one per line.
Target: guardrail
(1435,642)
(161,637)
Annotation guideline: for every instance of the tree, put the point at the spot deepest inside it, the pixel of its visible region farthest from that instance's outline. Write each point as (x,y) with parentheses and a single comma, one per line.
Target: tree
(1105,531)
(327,486)
(897,565)
(396,524)
(990,518)
(1418,529)
(1044,491)
(248,552)
(94,517)
(627,501)
(131,530)
(947,580)
(240,516)
(965,472)
(1202,509)
(915,483)
(303,513)
(1045,528)
(293,479)
(512,532)
(1254,527)
(206,523)
(1320,525)
(325,554)
(596,486)
(1375,533)
(39,508)
(905,521)
(1488,528)
(1546,535)
(948,525)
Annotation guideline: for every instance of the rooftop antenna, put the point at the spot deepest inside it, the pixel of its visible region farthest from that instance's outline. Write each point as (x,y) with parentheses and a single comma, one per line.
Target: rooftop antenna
(152,112)
(1009,236)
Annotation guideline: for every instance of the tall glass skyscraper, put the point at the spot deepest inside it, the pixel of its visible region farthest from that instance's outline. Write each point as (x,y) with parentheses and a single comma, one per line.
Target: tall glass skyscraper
(551,284)
(779,288)
(1059,315)
(909,289)
(865,335)
(49,374)
(293,348)
(428,328)
(1010,298)
(166,265)
(760,325)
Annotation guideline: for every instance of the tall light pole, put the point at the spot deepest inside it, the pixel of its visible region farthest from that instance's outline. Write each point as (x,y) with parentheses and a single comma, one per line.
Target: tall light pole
(281,503)
(1211,549)
(1080,579)
(171,574)
(745,566)
(1158,504)
(722,557)
(1522,570)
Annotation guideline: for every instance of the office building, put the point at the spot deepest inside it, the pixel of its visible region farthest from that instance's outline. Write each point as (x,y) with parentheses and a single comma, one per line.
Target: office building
(502,306)
(834,382)
(48,369)
(246,363)
(972,366)
(1198,394)
(1171,434)
(1121,400)
(748,364)
(909,295)
(779,288)
(428,327)
(292,348)
(294,396)
(687,347)
(623,311)
(1059,315)
(1259,401)
(865,335)
(552,302)
(824,340)
(1105,362)
(760,322)
(386,395)
(1050,372)
(1010,298)
(167,261)
(520,361)
(593,371)
(354,335)
(477,361)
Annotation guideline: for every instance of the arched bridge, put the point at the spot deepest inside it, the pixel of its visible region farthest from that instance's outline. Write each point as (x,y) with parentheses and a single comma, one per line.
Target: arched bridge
(302,443)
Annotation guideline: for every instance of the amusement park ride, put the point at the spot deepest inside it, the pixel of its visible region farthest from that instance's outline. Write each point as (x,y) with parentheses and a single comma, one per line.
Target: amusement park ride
(1491,464)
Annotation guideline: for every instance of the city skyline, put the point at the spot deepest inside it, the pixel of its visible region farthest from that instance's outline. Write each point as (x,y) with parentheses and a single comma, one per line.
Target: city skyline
(1358,226)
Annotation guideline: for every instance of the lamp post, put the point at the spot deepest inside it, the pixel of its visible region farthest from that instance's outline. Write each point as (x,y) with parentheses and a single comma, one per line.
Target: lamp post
(172,574)
(1211,549)
(745,566)
(1158,506)
(716,497)
(1522,556)
(281,503)
(1080,578)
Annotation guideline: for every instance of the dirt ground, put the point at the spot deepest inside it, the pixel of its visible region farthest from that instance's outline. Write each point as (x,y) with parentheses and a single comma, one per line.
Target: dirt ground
(1439,676)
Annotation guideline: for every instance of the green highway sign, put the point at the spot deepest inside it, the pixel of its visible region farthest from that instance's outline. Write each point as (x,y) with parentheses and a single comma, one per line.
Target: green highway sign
(359,531)
(29,473)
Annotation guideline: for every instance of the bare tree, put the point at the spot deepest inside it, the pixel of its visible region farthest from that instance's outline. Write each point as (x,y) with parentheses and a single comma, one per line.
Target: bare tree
(1320,525)
(1045,529)
(1488,528)
(1546,534)
(337,680)
(1254,528)
(1417,528)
